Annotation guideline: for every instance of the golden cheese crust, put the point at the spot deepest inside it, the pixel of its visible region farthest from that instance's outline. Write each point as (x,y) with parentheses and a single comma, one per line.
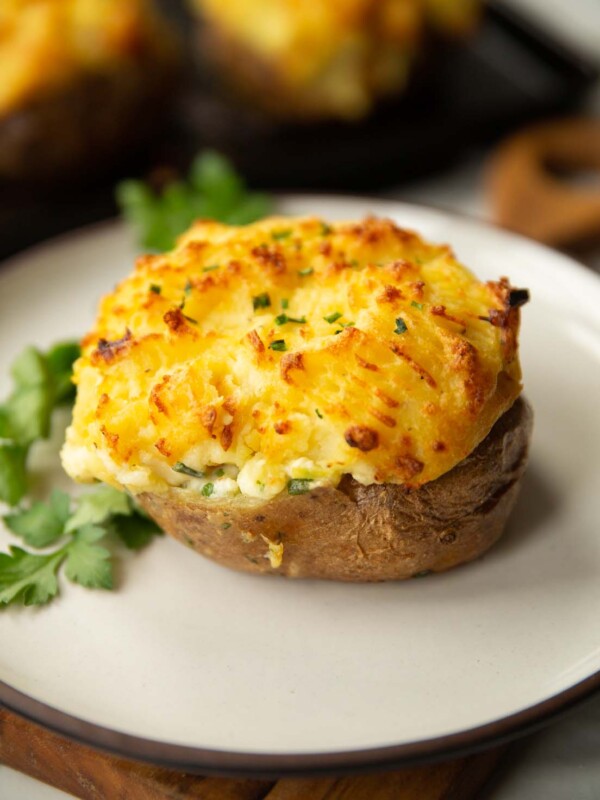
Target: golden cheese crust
(47,44)
(284,355)
(324,57)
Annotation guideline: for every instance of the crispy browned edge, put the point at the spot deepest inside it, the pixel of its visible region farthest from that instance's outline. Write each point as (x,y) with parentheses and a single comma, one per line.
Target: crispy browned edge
(88,123)
(362,533)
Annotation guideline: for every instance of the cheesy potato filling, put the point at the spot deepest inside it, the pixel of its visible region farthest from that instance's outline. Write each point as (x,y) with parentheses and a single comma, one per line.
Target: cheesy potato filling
(45,44)
(280,356)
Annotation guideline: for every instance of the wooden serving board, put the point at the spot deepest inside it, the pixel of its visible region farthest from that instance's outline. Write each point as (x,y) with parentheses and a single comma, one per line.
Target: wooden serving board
(91,775)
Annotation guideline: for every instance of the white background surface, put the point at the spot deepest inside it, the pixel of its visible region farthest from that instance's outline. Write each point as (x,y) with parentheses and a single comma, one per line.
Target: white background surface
(563,761)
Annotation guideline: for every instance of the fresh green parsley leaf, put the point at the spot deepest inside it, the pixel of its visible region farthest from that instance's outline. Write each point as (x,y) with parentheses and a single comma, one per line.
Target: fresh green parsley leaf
(279,235)
(261,301)
(97,506)
(414,304)
(333,317)
(185,470)
(299,485)
(42,523)
(87,563)
(306,271)
(282,319)
(208,489)
(278,344)
(30,579)
(29,368)
(13,474)
(155,288)
(29,411)
(400,326)
(213,190)
(59,360)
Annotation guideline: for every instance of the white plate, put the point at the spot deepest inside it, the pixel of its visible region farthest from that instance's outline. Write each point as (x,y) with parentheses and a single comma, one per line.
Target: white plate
(192,665)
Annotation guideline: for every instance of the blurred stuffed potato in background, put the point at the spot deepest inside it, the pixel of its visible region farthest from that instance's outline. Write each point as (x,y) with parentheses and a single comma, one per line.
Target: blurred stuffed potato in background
(78,79)
(315,59)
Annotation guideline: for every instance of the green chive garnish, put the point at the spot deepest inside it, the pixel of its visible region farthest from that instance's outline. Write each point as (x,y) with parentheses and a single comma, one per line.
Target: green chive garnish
(400,326)
(155,288)
(417,305)
(261,301)
(299,485)
(285,303)
(219,473)
(278,344)
(278,235)
(333,317)
(281,319)
(307,271)
(318,413)
(208,489)
(185,470)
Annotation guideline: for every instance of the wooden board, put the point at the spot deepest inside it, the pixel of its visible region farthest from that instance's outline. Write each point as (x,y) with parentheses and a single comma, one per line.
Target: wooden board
(91,775)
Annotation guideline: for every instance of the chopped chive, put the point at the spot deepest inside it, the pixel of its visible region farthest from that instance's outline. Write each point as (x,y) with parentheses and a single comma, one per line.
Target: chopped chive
(261,301)
(285,303)
(318,413)
(336,332)
(299,485)
(190,319)
(188,287)
(347,324)
(325,229)
(307,271)
(417,305)
(281,319)
(400,326)
(185,470)
(278,235)
(333,317)
(207,489)
(220,472)
(210,268)
(278,344)
(155,288)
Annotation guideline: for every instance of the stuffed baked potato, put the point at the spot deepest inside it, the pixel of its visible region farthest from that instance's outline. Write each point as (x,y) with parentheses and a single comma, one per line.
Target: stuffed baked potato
(79,77)
(309,399)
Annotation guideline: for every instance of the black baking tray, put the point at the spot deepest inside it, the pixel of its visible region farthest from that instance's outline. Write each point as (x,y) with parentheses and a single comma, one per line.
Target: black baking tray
(511,72)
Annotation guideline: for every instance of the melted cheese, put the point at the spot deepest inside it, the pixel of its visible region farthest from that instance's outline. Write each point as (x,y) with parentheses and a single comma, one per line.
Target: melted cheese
(45,44)
(291,349)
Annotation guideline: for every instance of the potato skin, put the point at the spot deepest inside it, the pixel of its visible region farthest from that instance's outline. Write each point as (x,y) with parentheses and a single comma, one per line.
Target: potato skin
(362,533)
(84,126)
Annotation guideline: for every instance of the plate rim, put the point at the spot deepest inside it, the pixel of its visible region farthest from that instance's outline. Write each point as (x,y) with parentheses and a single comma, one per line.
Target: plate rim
(241,764)
(302,764)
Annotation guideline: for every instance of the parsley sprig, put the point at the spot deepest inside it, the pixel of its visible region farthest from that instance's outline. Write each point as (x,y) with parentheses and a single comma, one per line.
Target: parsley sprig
(213,190)
(76,529)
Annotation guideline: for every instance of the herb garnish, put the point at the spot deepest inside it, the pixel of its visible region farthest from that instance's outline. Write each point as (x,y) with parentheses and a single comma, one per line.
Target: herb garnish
(417,305)
(155,288)
(261,301)
(220,472)
(278,344)
(207,489)
(318,413)
(299,485)
(281,319)
(185,470)
(306,271)
(278,235)
(285,303)
(400,326)
(333,317)
(213,190)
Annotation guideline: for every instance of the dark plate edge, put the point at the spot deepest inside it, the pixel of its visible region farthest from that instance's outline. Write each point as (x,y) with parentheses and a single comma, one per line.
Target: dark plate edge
(275,765)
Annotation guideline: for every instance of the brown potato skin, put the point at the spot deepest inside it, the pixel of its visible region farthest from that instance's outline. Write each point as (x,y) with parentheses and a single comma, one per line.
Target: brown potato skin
(85,125)
(362,533)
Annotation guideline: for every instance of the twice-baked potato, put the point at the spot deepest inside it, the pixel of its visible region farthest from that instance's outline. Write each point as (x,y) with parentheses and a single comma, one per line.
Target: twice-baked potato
(308,59)
(79,79)
(309,399)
